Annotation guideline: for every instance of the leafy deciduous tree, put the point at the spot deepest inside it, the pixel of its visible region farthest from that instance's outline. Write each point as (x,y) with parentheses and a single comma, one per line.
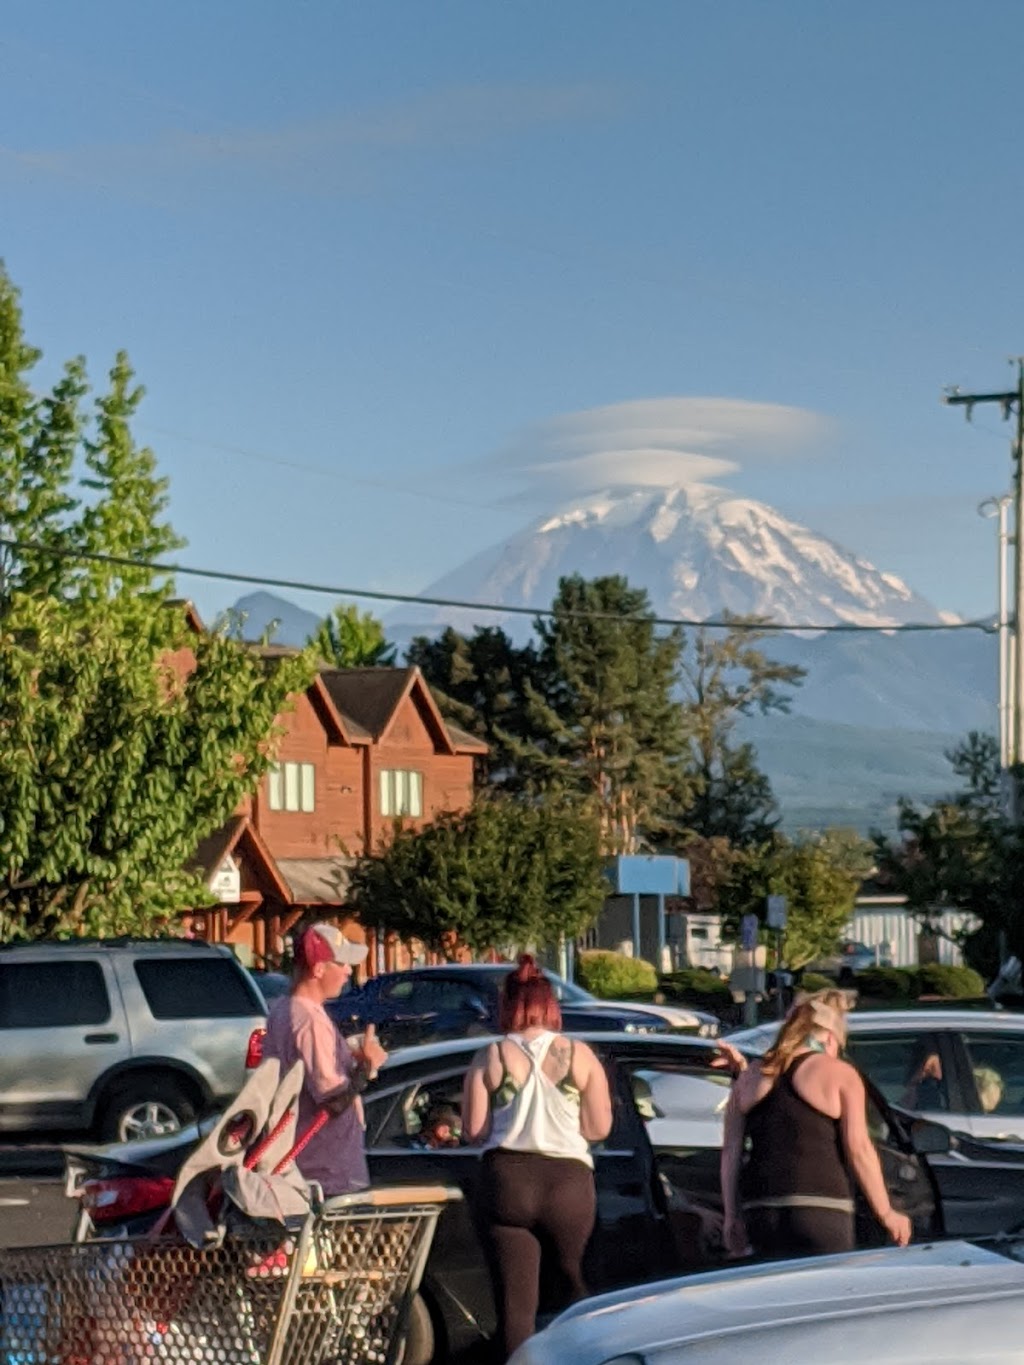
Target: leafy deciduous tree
(819,874)
(349,638)
(503,874)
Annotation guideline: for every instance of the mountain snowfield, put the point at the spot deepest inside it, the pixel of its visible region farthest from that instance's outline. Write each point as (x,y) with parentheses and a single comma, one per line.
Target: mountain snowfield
(698,550)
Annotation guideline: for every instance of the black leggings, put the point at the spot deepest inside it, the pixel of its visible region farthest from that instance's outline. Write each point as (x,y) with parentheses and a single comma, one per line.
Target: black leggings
(526,1196)
(803,1231)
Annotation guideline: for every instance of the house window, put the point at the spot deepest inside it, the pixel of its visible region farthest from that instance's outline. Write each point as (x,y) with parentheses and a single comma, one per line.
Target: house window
(292,786)
(401,792)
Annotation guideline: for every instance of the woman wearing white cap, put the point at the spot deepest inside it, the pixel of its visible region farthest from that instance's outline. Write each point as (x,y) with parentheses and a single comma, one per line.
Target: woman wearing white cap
(300,1029)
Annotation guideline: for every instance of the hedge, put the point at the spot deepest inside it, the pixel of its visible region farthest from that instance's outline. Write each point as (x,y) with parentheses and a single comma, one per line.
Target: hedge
(955,982)
(611,976)
(698,987)
(814,981)
(888,983)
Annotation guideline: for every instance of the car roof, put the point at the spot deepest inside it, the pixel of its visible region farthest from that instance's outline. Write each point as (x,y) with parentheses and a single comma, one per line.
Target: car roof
(634,1043)
(731,1308)
(933,1018)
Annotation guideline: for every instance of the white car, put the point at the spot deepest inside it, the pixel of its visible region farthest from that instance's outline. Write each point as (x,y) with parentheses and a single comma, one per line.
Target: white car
(940,1302)
(961,1068)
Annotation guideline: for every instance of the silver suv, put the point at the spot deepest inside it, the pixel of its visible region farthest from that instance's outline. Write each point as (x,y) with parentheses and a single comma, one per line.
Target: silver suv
(127,1037)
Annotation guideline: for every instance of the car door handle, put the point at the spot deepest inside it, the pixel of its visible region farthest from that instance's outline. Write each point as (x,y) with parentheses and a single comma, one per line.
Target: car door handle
(101,1038)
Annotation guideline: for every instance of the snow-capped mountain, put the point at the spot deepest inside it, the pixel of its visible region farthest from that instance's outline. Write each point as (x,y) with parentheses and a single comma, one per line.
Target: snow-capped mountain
(699,551)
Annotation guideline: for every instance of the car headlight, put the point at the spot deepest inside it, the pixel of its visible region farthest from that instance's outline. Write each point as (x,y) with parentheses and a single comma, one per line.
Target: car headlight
(708,1031)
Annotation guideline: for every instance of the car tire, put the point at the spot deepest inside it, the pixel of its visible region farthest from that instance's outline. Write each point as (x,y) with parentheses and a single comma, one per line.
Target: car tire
(145,1106)
(420,1344)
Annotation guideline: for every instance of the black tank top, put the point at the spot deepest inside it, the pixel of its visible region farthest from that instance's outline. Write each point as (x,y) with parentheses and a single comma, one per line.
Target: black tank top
(794,1150)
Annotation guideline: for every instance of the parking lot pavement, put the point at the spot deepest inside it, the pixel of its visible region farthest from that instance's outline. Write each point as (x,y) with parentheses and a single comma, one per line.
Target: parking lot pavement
(34,1209)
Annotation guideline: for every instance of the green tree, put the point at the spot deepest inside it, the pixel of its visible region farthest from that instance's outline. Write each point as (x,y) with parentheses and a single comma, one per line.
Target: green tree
(39,437)
(503,874)
(962,853)
(819,874)
(126,517)
(112,768)
(726,676)
(349,638)
(480,682)
(606,725)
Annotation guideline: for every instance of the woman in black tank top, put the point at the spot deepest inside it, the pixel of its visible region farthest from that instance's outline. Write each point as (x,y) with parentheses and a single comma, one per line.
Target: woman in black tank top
(796,1144)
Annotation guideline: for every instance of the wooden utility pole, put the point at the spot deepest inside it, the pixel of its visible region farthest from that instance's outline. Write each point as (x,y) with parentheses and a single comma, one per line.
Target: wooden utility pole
(1011,401)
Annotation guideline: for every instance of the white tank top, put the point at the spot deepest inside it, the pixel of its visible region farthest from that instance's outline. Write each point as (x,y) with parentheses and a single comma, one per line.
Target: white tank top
(538,1115)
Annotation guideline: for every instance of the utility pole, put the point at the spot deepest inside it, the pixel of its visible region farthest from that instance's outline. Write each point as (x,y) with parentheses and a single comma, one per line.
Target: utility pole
(1010,401)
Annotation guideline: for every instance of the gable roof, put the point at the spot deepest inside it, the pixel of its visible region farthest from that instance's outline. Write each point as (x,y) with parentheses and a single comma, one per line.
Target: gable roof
(370,698)
(239,831)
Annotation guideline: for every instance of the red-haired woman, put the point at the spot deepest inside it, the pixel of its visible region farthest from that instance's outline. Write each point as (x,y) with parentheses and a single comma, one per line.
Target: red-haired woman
(535,1101)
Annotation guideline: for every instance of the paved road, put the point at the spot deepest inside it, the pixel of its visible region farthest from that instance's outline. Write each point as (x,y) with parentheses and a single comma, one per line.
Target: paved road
(34,1209)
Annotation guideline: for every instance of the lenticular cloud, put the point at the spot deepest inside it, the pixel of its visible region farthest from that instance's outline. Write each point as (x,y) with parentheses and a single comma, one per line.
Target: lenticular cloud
(658,443)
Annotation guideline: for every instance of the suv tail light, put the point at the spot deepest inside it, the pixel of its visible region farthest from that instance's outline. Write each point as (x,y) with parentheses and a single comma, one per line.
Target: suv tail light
(254,1052)
(127,1196)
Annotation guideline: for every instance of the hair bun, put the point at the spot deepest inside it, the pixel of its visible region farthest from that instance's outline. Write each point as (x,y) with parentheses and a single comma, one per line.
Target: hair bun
(527,969)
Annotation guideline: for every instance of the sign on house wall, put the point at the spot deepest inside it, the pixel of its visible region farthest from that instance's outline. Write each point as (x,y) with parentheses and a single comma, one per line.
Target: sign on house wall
(226,882)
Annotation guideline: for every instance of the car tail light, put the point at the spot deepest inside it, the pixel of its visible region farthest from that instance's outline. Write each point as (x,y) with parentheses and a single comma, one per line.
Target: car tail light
(112,1201)
(254,1052)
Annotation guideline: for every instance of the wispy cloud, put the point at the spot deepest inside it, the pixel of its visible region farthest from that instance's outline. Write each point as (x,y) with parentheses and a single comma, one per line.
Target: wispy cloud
(459,117)
(656,442)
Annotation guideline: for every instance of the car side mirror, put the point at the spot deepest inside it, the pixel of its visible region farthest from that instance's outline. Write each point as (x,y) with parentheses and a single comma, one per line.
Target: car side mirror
(930,1139)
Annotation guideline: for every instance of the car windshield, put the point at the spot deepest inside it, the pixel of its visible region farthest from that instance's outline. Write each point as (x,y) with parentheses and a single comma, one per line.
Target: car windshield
(567,992)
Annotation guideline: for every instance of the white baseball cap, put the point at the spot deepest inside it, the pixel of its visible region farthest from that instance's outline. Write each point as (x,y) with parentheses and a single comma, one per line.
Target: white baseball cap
(326,943)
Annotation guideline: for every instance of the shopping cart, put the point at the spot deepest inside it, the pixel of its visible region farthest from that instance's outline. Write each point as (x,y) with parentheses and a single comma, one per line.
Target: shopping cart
(335,1289)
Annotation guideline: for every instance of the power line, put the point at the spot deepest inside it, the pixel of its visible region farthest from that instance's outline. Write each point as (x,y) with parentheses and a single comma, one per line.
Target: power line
(294,585)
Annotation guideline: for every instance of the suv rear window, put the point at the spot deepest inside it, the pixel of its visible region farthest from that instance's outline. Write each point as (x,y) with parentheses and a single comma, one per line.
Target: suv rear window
(195,988)
(52,994)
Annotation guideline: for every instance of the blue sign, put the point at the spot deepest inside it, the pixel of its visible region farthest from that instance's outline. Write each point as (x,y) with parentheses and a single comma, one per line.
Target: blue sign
(748,932)
(650,875)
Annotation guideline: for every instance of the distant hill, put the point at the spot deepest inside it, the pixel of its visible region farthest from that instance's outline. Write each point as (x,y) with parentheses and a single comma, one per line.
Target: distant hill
(287,623)
(848,775)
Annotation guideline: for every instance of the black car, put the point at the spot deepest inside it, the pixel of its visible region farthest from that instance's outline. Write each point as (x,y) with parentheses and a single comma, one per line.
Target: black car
(429,1004)
(659,1207)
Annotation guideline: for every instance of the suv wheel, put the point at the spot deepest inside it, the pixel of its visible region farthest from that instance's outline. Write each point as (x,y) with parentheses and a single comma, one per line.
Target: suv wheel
(145,1108)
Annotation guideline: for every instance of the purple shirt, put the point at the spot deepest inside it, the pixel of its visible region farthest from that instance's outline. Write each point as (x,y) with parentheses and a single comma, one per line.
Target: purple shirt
(301,1030)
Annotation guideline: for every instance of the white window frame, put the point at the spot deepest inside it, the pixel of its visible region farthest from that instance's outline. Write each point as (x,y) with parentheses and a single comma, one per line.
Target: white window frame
(291,787)
(401,793)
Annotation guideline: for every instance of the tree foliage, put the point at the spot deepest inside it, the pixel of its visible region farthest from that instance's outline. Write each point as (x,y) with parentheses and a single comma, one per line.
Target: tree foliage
(113,766)
(606,726)
(480,682)
(963,853)
(349,638)
(726,676)
(503,874)
(819,874)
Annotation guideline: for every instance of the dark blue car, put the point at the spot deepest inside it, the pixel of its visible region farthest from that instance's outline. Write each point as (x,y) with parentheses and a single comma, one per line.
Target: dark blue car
(426,1004)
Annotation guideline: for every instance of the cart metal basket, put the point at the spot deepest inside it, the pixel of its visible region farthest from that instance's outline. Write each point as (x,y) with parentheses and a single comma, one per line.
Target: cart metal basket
(337,1289)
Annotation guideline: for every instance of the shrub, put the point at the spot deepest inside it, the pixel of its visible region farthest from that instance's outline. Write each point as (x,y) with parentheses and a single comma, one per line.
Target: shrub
(611,976)
(958,982)
(888,983)
(698,987)
(814,981)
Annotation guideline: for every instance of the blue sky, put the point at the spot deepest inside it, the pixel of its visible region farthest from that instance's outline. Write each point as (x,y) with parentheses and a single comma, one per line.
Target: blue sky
(363,256)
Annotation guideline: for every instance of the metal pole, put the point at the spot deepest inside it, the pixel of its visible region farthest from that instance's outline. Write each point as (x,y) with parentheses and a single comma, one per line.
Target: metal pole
(636,926)
(1017,745)
(1000,507)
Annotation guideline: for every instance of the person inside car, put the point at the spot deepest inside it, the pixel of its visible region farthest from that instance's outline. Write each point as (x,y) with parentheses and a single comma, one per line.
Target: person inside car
(535,1101)
(796,1144)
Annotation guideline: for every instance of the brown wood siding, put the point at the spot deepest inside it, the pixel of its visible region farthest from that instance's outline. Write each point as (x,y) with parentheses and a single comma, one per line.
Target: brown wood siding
(338,814)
